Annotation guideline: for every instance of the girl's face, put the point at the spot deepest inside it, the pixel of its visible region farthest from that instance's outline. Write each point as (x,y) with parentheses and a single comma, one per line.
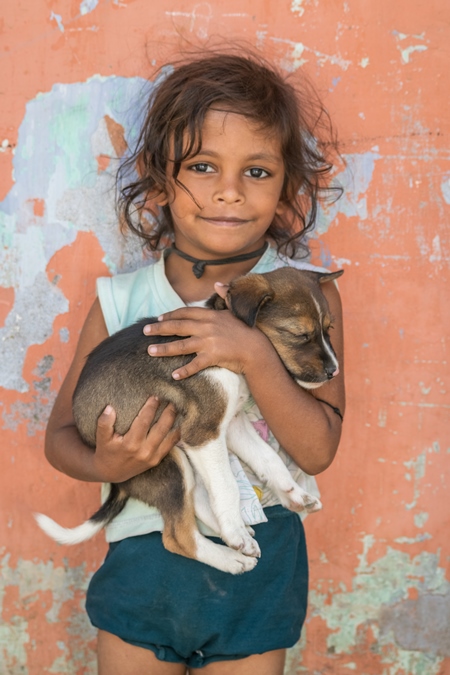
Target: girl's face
(236,179)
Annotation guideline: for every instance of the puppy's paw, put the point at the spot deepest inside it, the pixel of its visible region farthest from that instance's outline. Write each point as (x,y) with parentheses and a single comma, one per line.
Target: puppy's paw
(294,498)
(238,563)
(312,504)
(239,539)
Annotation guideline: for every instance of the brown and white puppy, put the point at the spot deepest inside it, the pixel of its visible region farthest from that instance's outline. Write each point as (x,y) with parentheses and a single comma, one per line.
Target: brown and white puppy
(195,478)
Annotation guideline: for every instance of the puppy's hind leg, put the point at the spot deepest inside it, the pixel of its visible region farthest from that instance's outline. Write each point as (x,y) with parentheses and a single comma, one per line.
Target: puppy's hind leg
(181,534)
(245,442)
(211,462)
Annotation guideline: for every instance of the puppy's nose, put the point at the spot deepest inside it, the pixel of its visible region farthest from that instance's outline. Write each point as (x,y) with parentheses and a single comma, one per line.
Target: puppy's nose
(331,372)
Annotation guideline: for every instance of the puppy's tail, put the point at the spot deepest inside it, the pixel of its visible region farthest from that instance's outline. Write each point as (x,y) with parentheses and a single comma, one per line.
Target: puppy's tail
(69,536)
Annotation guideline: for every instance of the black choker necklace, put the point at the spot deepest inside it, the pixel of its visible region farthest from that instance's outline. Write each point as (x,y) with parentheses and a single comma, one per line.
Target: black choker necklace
(199,265)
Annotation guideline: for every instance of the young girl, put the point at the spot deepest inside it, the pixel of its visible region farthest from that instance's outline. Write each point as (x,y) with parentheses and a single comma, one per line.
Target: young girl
(229,167)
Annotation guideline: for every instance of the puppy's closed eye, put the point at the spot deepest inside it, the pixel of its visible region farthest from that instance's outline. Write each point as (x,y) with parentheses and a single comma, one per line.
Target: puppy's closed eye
(296,333)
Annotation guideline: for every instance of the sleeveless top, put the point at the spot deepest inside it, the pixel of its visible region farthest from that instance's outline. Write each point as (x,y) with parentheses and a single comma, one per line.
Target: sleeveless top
(146,292)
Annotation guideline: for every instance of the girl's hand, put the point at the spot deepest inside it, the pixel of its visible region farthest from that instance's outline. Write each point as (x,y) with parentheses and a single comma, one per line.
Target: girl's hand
(118,458)
(216,337)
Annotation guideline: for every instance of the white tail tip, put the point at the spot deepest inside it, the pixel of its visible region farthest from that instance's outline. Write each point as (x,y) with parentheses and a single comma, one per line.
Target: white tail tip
(65,535)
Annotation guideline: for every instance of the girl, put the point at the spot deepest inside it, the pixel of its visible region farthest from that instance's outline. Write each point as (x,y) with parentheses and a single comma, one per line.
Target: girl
(229,167)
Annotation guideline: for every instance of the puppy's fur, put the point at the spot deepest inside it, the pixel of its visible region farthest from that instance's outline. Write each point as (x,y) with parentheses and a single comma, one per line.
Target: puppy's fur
(195,477)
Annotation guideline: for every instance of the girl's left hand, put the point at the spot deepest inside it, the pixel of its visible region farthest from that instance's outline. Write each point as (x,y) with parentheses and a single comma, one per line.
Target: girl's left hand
(216,337)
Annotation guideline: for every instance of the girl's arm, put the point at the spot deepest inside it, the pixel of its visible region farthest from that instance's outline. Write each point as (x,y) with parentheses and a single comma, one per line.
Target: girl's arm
(116,458)
(306,428)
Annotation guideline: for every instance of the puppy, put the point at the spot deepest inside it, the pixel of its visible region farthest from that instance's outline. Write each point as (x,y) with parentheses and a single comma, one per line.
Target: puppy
(195,478)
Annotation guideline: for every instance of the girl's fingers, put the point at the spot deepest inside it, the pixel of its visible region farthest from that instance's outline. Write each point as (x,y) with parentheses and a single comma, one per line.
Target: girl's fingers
(178,326)
(185,313)
(162,437)
(184,321)
(164,425)
(144,418)
(195,366)
(175,348)
(105,425)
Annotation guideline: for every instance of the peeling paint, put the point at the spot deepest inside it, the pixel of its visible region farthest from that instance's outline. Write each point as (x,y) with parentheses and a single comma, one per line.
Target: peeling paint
(355,179)
(31,580)
(88,6)
(380,549)
(58,19)
(418,465)
(60,168)
(419,625)
(379,593)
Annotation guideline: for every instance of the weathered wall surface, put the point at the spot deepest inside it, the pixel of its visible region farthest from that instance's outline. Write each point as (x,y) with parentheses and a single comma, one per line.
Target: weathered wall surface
(380,583)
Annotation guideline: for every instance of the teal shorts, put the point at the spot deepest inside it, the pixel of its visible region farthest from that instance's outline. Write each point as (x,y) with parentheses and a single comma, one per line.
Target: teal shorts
(187,612)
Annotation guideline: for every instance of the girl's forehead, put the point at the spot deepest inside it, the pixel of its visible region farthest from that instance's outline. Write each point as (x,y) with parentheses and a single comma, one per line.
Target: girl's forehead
(227,129)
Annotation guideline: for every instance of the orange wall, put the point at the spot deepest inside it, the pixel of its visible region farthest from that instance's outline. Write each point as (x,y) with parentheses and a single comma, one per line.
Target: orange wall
(380,585)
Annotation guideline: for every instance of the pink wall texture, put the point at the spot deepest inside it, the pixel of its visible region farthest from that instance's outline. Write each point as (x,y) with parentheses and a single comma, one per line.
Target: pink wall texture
(379,551)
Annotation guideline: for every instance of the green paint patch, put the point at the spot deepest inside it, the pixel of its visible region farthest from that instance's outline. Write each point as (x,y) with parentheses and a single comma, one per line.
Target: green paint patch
(417,466)
(377,587)
(420,519)
(29,580)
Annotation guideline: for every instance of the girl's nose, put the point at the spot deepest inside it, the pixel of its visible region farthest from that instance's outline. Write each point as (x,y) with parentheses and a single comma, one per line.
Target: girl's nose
(229,191)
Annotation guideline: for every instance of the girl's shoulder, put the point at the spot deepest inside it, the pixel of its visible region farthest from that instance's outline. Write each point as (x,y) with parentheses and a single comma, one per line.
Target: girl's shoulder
(272,260)
(129,296)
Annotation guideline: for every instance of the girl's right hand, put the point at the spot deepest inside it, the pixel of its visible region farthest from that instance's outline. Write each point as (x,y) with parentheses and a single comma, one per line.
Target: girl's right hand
(118,458)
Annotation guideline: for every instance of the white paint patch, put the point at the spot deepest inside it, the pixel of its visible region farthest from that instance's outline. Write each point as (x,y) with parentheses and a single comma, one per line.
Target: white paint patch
(364,62)
(424,389)
(407,51)
(436,255)
(88,6)
(420,519)
(340,262)
(322,58)
(297,56)
(297,7)
(58,19)
(445,187)
(382,418)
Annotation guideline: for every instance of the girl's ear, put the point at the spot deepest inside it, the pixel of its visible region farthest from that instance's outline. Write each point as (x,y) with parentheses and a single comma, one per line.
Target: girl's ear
(282,207)
(156,198)
(161,199)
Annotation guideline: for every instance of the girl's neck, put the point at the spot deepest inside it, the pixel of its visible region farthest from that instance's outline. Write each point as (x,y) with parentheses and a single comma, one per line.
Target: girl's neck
(190,289)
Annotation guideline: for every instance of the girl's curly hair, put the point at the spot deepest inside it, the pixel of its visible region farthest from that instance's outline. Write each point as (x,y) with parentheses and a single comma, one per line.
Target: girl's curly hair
(246,85)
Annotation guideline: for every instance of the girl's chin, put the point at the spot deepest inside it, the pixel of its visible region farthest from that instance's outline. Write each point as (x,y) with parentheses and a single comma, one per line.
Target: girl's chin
(221,247)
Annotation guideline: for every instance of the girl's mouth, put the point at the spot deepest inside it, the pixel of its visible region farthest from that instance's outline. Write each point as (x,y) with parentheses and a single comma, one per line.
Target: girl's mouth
(223,220)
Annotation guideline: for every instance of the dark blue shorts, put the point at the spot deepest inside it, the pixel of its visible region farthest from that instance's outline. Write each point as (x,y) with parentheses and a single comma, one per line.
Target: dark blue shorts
(188,612)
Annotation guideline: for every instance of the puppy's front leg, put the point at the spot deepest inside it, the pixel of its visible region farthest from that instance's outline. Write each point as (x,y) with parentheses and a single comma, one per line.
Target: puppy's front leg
(212,464)
(245,442)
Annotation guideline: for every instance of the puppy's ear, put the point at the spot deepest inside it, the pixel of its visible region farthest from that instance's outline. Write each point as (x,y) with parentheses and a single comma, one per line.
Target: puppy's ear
(247,295)
(323,277)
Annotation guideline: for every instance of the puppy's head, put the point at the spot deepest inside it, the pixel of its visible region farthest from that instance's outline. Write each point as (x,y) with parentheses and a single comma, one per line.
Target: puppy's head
(288,306)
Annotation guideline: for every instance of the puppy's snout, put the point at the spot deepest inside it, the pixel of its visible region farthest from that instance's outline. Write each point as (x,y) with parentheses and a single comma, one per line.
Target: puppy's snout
(332,371)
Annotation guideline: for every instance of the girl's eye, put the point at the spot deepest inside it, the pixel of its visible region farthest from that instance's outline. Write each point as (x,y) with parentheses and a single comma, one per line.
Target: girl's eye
(201,167)
(256,172)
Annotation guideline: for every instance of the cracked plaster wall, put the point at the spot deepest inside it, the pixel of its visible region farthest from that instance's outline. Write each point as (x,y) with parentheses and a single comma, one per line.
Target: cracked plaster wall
(74,73)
